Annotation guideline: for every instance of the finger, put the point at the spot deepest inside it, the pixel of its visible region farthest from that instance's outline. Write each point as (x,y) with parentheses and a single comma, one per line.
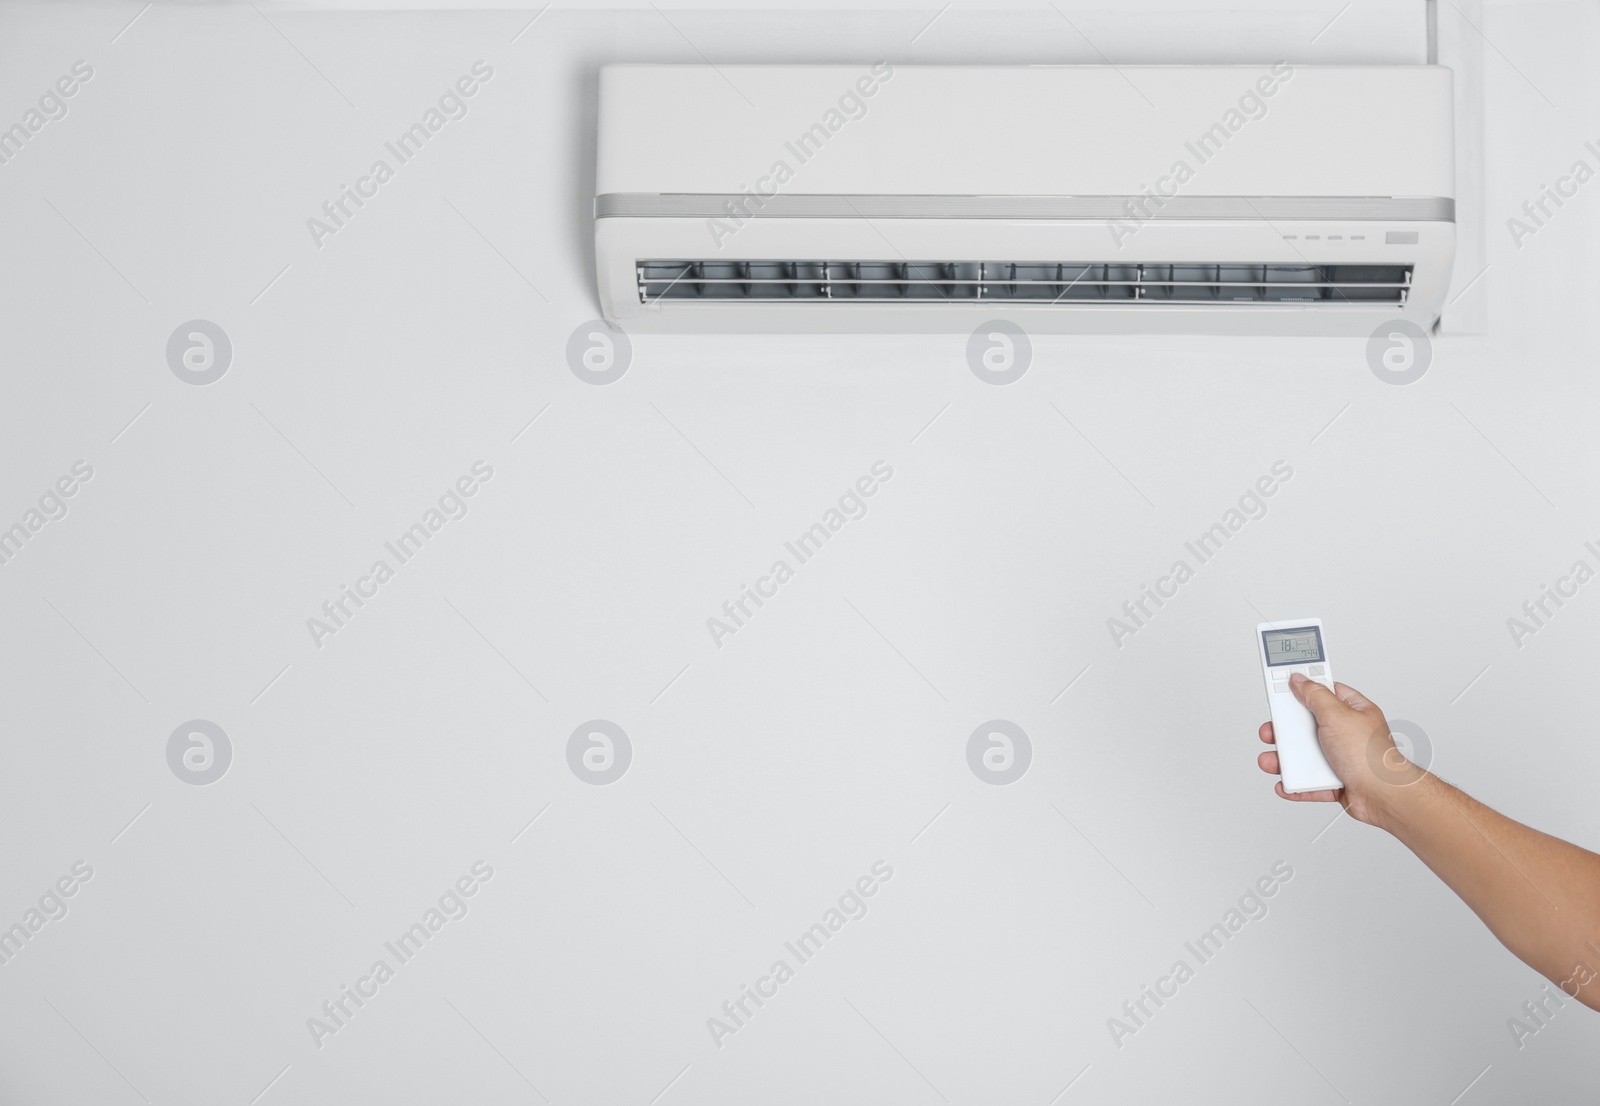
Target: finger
(1269,763)
(1307,796)
(1351,697)
(1266,733)
(1319,699)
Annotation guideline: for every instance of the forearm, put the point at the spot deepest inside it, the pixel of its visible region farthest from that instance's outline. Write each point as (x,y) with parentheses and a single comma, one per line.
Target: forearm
(1538,894)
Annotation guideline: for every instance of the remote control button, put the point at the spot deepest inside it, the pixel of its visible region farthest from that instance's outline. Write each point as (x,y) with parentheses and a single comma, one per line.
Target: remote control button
(1280,689)
(1318,670)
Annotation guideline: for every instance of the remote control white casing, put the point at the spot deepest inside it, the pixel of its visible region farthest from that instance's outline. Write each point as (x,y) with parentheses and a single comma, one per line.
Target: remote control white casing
(1300,761)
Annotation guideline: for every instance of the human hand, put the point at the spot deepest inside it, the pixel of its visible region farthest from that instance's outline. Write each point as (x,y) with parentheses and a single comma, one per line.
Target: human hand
(1355,738)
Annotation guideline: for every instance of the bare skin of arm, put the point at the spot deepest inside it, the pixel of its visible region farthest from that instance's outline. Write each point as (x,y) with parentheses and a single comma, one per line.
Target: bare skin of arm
(1538,894)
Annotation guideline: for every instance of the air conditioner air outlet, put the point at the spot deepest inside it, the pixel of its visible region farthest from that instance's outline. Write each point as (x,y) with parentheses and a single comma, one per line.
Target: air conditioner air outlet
(1021,282)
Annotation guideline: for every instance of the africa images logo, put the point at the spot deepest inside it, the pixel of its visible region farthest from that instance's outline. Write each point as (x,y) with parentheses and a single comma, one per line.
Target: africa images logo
(451,105)
(851,906)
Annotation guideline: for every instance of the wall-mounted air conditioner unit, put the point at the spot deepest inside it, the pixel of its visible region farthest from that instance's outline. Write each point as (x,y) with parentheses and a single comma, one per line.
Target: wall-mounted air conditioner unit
(1270,199)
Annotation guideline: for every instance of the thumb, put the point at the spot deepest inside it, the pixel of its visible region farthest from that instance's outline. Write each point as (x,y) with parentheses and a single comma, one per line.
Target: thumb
(1324,704)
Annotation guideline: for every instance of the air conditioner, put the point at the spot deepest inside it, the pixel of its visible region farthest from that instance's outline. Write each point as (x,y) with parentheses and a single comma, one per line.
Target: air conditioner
(1260,199)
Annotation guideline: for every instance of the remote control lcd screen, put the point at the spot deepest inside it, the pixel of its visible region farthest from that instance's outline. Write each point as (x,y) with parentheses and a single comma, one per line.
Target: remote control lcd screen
(1302,646)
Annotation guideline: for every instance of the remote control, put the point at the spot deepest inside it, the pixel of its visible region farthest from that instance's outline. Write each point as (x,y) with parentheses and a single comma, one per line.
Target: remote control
(1287,648)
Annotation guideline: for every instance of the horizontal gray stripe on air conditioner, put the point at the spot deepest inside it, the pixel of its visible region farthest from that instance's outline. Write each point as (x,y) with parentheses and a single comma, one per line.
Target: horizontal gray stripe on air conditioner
(695,205)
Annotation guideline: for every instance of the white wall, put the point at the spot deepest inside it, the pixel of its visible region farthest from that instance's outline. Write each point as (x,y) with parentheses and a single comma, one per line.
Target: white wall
(768,774)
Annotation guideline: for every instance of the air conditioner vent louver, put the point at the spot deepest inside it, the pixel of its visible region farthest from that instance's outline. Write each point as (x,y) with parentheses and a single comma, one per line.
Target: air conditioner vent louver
(1064,283)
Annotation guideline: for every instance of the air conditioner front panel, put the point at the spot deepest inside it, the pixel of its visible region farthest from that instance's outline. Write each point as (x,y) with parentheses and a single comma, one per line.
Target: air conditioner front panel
(1085,130)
